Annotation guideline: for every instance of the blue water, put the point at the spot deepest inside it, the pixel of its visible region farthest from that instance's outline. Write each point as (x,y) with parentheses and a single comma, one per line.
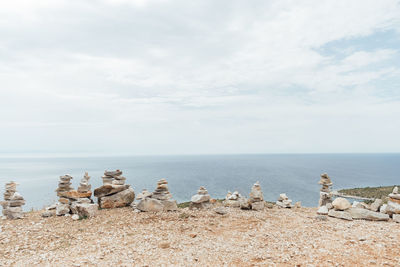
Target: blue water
(295,174)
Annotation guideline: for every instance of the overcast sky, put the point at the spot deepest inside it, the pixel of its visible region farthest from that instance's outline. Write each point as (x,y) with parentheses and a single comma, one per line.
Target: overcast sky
(194,77)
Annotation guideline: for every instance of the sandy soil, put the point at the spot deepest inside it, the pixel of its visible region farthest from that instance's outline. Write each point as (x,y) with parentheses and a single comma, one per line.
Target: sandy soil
(274,237)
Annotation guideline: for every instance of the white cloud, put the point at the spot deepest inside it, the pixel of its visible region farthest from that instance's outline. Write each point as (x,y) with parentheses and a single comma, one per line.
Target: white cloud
(221,77)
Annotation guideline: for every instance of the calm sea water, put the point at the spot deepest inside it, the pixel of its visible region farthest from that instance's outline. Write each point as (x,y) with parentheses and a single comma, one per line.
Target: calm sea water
(295,174)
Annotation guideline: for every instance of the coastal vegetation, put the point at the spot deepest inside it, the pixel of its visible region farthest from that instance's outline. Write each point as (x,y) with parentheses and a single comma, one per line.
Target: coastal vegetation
(380,192)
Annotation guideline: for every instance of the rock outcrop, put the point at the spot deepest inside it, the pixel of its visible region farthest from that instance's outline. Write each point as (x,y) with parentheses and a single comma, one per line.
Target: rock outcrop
(160,200)
(283,201)
(13,202)
(114,193)
(201,200)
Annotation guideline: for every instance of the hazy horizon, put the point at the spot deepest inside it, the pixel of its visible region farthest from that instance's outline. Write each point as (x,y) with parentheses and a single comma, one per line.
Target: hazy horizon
(160,77)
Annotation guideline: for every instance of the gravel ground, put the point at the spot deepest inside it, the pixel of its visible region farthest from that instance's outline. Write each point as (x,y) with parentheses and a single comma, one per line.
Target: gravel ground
(274,237)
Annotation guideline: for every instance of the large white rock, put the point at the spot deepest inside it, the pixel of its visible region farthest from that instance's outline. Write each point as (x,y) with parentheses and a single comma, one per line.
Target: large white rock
(396,218)
(200,198)
(150,204)
(341,203)
(364,214)
(340,214)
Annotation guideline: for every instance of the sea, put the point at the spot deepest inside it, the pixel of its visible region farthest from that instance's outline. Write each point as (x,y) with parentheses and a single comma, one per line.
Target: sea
(297,175)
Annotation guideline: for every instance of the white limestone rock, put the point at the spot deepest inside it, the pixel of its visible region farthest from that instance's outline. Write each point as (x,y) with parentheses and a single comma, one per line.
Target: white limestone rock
(364,214)
(341,203)
(340,214)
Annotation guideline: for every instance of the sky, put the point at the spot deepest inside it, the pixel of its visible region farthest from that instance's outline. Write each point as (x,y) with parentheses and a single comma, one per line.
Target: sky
(150,77)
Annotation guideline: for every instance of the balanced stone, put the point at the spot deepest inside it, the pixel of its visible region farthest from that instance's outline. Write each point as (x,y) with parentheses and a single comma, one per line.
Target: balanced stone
(201,200)
(325,193)
(232,199)
(256,199)
(114,193)
(283,201)
(13,202)
(159,200)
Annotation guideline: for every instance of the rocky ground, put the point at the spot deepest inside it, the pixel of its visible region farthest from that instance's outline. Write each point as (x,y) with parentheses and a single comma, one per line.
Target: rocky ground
(273,237)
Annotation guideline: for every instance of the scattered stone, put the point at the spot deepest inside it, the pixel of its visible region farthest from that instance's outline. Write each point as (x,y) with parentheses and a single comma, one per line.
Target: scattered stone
(159,200)
(323,210)
(297,205)
(357,213)
(48,213)
(201,200)
(13,202)
(396,218)
(114,193)
(340,214)
(220,210)
(341,203)
(75,217)
(164,245)
(321,217)
(283,201)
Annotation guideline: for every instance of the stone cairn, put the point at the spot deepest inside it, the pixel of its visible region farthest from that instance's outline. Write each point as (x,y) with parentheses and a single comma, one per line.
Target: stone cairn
(201,200)
(160,200)
(76,202)
(234,200)
(392,208)
(256,199)
(325,197)
(13,202)
(114,193)
(283,201)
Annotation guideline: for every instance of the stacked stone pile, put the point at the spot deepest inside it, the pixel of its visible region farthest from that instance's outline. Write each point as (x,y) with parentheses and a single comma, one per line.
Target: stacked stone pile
(256,199)
(113,177)
(114,193)
(393,204)
(160,200)
(325,197)
(234,200)
(13,202)
(283,201)
(201,200)
(72,201)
